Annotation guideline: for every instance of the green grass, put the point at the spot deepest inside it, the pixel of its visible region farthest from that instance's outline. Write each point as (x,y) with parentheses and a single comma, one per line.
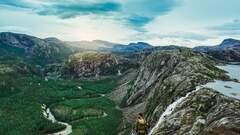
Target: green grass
(88,115)
(100,86)
(20,108)
(21,98)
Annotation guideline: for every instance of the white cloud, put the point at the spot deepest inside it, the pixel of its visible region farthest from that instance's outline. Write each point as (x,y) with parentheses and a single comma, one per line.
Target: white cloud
(80,28)
(188,23)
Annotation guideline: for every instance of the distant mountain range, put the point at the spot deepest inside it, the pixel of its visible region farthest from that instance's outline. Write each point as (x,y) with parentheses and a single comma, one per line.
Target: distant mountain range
(227,44)
(162,82)
(50,50)
(228,50)
(105,46)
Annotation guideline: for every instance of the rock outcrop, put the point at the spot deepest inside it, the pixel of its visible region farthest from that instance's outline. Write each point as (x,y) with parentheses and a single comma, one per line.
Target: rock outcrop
(165,77)
(229,55)
(204,112)
(94,64)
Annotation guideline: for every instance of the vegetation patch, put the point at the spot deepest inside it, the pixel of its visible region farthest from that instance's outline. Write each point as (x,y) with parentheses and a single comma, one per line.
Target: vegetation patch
(21,98)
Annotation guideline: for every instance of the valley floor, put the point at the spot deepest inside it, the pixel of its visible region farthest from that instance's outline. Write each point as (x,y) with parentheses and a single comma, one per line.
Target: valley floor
(82,104)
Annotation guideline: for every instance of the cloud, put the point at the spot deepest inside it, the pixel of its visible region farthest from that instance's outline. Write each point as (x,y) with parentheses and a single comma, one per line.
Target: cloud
(14,3)
(141,12)
(64,8)
(149,8)
(136,22)
(17,29)
(230,26)
(139,20)
(176,35)
(188,36)
(134,13)
(73,9)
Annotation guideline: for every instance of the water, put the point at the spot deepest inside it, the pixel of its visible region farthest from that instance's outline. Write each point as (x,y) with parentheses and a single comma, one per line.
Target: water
(119,71)
(169,111)
(233,70)
(228,88)
(48,115)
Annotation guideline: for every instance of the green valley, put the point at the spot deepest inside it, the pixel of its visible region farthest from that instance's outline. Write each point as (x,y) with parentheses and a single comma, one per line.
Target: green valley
(78,102)
(51,87)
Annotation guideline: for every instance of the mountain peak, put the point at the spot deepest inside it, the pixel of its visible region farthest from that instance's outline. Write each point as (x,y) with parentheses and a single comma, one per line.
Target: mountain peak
(140,44)
(230,42)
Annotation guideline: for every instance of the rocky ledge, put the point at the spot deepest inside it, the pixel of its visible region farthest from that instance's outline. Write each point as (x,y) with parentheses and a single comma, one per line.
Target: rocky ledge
(165,77)
(204,112)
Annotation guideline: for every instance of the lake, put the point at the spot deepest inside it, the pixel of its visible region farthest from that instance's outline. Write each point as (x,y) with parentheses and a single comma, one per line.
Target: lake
(229,88)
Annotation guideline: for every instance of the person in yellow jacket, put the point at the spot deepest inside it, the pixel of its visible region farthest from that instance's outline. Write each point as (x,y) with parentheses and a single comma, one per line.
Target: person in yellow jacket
(141,125)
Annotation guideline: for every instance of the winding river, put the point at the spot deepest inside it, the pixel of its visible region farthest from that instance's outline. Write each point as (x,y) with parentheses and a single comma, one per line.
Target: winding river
(228,88)
(48,115)
(68,130)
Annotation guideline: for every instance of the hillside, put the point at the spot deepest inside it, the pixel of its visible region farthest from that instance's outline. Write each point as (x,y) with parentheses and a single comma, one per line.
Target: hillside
(166,77)
(204,112)
(93,64)
(52,50)
(33,49)
(228,50)
(102,91)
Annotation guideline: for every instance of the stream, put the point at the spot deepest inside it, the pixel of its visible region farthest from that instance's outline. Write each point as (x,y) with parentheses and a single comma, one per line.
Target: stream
(48,115)
(169,110)
(68,130)
(228,88)
(119,71)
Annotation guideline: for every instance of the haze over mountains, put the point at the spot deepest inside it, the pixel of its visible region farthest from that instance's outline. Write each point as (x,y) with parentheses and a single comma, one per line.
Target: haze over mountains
(99,87)
(53,48)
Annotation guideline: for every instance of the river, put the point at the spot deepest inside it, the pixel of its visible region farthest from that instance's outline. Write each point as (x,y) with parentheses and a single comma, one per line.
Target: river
(68,130)
(48,115)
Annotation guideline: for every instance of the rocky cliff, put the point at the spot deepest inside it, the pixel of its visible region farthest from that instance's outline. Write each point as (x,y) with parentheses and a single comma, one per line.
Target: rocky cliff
(94,64)
(204,112)
(165,77)
(229,55)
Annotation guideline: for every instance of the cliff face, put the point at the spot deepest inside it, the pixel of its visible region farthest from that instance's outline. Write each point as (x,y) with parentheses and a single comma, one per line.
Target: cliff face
(164,78)
(230,55)
(204,112)
(92,64)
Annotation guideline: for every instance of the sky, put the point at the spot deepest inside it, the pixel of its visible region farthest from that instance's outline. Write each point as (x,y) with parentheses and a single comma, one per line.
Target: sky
(158,22)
